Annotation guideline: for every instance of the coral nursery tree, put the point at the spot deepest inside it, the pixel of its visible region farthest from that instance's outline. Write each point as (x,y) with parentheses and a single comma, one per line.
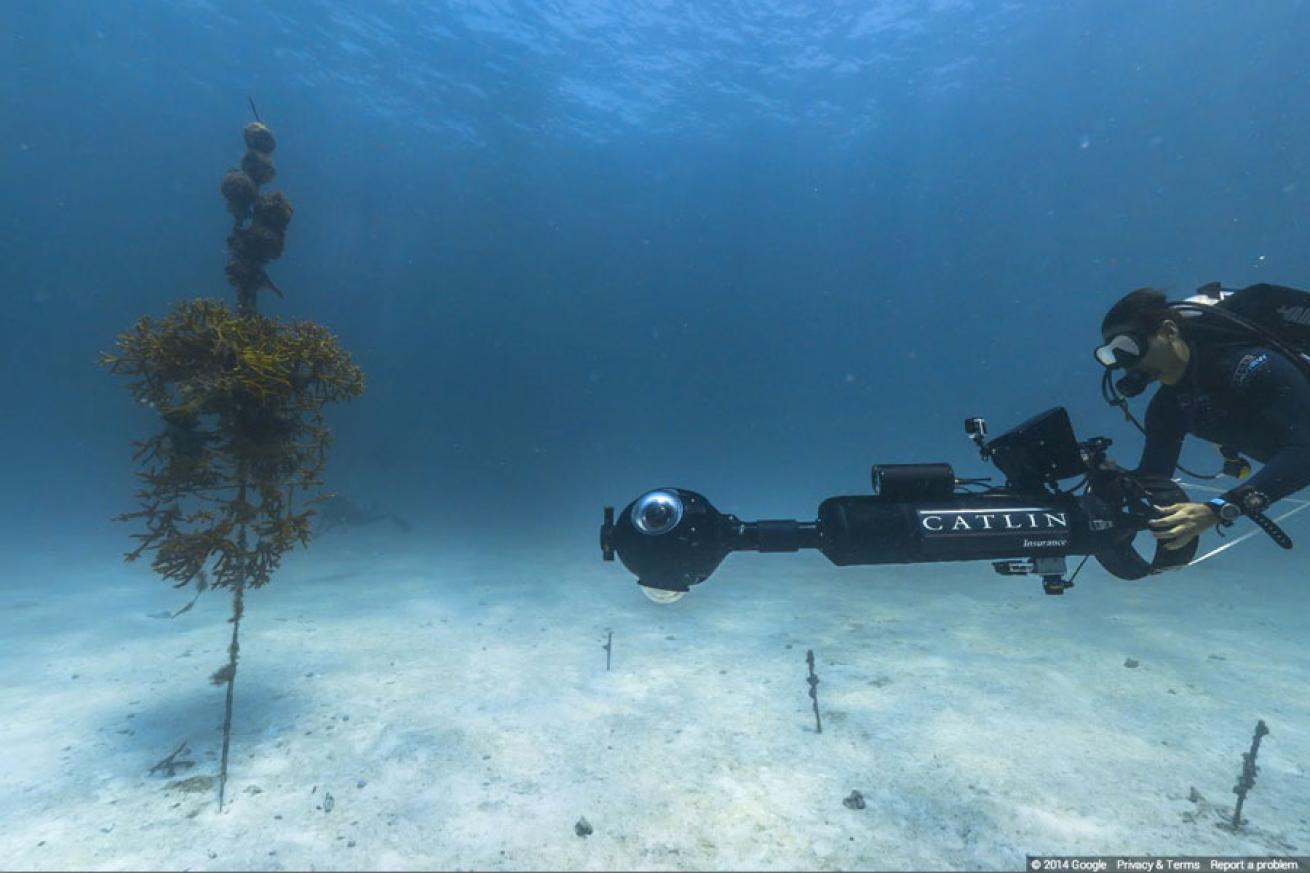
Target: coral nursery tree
(231,476)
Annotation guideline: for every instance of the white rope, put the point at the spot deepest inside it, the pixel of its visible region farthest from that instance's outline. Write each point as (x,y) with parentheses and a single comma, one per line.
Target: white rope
(1301,504)
(1246,535)
(1197,487)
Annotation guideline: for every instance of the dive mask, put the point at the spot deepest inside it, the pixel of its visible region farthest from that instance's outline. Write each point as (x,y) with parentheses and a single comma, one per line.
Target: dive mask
(1123,350)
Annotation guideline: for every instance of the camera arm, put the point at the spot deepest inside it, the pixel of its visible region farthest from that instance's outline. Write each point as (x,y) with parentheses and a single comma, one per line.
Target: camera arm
(1020,536)
(674,538)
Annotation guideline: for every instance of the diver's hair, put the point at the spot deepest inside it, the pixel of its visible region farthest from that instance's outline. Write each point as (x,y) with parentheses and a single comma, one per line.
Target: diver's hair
(1143,309)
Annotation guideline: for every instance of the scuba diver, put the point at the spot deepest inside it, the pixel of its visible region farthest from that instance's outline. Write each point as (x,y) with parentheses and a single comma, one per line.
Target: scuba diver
(1233,371)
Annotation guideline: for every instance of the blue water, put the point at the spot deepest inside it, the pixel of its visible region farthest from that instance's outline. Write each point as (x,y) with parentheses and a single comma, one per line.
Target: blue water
(583,248)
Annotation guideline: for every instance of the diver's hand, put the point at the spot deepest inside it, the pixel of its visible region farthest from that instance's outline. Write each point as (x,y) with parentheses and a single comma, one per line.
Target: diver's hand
(1181,523)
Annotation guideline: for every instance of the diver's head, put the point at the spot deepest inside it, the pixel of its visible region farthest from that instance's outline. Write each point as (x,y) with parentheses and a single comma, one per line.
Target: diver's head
(1143,336)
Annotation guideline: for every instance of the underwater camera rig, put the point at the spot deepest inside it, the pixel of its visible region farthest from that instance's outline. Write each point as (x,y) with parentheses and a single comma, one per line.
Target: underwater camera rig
(672,538)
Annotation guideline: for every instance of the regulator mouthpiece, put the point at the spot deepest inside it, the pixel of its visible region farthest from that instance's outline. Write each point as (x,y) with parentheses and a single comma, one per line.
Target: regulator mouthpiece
(1132,384)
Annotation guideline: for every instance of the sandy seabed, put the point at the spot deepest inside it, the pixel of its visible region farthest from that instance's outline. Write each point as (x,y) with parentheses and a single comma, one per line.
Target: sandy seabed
(456,710)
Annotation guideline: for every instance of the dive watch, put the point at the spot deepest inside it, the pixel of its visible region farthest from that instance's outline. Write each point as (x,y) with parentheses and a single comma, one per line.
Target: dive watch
(1224,511)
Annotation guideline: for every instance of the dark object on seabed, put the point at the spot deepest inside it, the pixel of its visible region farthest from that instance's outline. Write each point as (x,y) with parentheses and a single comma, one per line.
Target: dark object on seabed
(583,827)
(336,510)
(814,690)
(672,539)
(1247,780)
(170,764)
(609,644)
(854,801)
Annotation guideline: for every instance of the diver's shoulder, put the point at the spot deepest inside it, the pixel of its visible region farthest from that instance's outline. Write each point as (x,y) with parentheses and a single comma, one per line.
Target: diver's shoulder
(1226,358)
(1237,350)
(1243,364)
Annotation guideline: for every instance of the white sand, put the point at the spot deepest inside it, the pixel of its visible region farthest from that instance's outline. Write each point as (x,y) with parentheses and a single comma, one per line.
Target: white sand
(981,719)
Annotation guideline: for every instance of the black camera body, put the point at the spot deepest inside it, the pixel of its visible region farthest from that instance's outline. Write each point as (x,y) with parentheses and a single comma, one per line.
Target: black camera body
(922,513)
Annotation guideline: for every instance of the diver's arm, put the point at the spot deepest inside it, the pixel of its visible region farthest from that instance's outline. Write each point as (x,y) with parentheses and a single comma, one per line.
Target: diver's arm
(1165,430)
(1281,392)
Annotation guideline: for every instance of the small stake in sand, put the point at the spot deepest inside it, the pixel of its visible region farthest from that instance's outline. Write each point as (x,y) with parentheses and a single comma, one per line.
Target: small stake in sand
(814,690)
(609,644)
(1247,780)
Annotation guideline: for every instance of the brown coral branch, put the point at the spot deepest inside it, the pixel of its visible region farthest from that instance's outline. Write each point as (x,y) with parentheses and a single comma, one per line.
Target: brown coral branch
(240,398)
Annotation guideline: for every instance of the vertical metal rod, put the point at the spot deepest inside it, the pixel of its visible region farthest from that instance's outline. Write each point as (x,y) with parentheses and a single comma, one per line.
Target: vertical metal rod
(814,692)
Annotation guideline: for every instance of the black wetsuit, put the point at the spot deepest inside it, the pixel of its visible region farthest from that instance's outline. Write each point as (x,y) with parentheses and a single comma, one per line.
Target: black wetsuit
(1239,396)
